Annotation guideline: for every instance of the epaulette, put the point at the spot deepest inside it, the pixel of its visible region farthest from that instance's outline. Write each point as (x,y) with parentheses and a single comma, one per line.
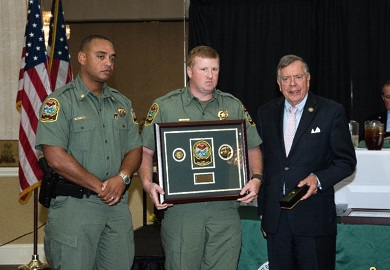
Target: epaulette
(63,89)
(225,94)
(171,93)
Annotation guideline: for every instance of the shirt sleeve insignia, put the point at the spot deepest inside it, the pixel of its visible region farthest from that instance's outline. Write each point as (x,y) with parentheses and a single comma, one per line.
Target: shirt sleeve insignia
(134,116)
(50,110)
(151,114)
(248,117)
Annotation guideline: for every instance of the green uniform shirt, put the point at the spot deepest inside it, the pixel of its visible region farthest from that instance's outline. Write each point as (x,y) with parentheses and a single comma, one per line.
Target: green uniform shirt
(181,105)
(96,130)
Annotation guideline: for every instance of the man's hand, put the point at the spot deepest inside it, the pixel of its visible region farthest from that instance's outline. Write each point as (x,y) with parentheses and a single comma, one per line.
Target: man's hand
(112,190)
(312,182)
(154,191)
(251,189)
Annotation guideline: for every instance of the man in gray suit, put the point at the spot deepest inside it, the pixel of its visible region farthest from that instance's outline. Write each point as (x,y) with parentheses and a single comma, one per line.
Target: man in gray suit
(320,155)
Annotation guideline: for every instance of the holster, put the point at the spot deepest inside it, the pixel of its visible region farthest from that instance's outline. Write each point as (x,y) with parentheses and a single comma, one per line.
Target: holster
(47,185)
(54,185)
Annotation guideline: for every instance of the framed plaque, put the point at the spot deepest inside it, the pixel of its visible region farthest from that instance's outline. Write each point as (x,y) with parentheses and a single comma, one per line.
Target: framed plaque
(201,161)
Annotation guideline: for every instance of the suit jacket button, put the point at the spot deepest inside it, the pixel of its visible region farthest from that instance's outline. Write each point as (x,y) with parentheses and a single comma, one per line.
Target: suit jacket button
(286,168)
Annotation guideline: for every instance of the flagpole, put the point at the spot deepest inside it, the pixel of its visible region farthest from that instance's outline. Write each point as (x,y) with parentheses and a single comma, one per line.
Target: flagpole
(35,263)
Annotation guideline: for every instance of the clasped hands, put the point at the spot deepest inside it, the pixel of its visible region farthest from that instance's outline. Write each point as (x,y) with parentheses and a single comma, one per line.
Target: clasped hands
(112,190)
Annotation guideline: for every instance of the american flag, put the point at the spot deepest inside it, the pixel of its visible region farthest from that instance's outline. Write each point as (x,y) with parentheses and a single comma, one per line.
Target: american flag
(60,67)
(34,86)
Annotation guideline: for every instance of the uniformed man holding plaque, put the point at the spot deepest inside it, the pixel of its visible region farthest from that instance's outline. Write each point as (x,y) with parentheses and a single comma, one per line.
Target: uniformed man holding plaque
(201,235)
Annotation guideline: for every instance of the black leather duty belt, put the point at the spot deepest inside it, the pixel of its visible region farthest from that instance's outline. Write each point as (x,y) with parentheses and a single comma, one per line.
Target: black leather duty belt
(64,187)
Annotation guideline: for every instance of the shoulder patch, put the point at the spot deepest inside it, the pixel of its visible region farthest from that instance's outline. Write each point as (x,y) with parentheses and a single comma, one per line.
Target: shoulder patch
(151,114)
(134,116)
(248,117)
(50,110)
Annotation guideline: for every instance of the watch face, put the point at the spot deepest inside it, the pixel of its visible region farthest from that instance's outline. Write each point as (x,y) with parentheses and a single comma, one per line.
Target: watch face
(126,178)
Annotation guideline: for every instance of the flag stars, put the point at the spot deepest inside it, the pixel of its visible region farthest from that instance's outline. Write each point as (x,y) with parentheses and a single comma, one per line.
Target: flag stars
(31,34)
(34,25)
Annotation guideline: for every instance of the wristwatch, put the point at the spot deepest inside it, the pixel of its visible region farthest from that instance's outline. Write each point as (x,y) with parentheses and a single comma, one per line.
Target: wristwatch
(126,179)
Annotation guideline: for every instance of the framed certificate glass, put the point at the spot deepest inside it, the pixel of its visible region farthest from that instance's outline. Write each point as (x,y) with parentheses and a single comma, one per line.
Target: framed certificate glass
(201,161)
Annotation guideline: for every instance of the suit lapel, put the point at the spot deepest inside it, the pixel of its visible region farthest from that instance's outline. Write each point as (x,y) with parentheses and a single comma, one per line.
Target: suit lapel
(279,111)
(308,114)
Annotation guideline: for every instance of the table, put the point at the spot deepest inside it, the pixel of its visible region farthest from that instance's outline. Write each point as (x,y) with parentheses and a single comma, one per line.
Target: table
(359,247)
(369,186)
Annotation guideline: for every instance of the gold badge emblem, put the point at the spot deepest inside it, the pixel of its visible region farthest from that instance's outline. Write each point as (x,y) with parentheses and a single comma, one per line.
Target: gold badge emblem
(248,117)
(223,115)
(121,111)
(225,152)
(179,155)
(50,110)
(134,116)
(151,114)
(202,153)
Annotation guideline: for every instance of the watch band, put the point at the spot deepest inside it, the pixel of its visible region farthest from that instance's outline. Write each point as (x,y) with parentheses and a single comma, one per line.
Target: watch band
(125,178)
(258,176)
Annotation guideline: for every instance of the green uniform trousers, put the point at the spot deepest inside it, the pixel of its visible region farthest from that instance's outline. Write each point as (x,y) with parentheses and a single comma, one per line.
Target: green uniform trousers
(205,235)
(86,234)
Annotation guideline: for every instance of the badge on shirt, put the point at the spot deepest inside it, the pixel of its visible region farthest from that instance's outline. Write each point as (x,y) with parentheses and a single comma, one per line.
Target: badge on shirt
(223,115)
(121,111)
(248,117)
(50,110)
(151,114)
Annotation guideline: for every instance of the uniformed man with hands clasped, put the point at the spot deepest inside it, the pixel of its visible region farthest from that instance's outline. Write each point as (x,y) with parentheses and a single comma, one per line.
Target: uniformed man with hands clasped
(89,136)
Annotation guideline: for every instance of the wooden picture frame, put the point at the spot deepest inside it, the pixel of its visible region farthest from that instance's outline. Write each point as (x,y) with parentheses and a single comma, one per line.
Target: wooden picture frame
(201,161)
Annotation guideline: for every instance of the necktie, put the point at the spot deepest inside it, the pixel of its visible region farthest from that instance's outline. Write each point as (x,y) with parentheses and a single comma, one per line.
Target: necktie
(290,129)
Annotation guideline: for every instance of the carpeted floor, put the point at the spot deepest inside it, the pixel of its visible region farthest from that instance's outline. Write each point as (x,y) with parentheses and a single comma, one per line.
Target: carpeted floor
(149,253)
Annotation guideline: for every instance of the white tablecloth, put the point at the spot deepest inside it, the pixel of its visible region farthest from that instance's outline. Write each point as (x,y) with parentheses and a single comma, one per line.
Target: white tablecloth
(369,186)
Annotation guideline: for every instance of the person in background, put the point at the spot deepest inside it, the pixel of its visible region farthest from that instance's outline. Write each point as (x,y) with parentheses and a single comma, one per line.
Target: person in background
(384,116)
(200,235)
(89,136)
(314,148)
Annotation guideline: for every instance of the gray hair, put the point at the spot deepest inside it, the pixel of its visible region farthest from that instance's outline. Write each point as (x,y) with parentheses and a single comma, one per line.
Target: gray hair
(289,59)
